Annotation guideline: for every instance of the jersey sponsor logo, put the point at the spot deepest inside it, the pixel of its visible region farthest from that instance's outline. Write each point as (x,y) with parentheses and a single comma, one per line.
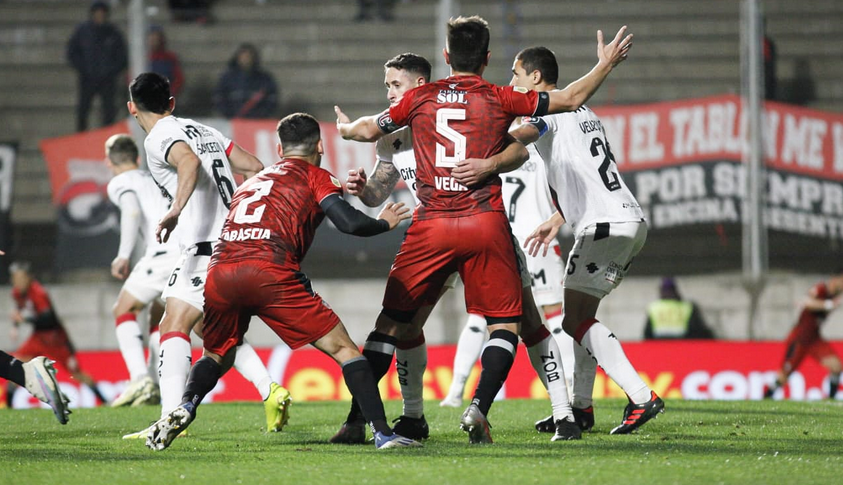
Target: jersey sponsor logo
(451,96)
(519,89)
(246,234)
(449,184)
(335,182)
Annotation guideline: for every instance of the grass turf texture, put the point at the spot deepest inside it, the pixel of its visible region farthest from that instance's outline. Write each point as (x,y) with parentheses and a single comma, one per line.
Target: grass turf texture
(693,442)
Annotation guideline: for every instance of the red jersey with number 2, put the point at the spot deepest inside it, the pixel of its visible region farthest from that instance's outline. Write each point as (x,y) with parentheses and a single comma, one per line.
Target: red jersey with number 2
(453,119)
(274,215)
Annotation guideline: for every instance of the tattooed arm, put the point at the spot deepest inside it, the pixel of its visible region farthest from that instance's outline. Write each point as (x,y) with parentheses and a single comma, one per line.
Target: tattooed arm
(375,190)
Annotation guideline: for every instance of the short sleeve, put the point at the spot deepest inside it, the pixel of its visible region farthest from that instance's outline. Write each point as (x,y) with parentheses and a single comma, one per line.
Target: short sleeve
(323,184)
(224,140)
(159,142)
(518,101)
(384,150)
(399,114)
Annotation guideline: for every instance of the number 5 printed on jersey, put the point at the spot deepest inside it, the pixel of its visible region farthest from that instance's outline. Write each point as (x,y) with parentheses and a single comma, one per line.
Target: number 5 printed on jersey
(443,116)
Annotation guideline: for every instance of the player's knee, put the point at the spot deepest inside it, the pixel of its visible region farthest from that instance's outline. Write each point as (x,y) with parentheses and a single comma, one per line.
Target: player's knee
(390,316)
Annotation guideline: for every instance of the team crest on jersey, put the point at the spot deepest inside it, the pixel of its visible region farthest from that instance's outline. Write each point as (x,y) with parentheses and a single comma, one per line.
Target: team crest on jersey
(519,89)
(335,182)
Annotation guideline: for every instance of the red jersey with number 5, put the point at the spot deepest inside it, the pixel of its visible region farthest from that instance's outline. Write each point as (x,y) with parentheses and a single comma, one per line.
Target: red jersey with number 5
(274,215)
(453,119)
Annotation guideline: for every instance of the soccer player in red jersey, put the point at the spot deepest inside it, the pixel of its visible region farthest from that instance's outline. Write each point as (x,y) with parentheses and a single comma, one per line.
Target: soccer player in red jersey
(48,338)
(255,270)
(805,339)
(465,228)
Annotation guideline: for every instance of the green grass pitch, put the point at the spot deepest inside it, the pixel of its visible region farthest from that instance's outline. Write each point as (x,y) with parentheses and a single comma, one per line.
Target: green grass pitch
(702,442)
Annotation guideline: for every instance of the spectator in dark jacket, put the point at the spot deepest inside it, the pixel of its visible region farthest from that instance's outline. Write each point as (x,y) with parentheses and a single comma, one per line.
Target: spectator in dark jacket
(245,90)
(163,61)
(97,51)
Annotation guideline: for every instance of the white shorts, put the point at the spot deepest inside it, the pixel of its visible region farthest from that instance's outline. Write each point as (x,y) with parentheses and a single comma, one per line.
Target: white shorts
(547,275)
(187,280)
(150,275)
(601,256)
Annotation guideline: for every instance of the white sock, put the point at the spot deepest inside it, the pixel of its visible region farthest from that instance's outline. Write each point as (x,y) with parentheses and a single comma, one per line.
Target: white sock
(566,346)
(469,347)
(154,351)
(585,370)
(250,366)
(604,346)
(410,365)
(130,341)
(173,369)
(548,366)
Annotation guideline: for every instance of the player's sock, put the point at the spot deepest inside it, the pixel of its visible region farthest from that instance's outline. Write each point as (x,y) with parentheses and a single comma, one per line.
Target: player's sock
(604,346)
(378,350)
(496,360)
(12,369)
(585,370)
(130,342)
(154,353)
(201,380)
(565,344)
(250,366)
(93,387)
(173,369)
(410,363)
(361,383)
(544,355)
(469,347)
(833,384)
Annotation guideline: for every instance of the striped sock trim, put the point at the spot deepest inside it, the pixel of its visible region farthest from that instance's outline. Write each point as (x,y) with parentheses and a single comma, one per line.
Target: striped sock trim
(126,317)
(583,328)
(536,337)
(411,344)
(169,335)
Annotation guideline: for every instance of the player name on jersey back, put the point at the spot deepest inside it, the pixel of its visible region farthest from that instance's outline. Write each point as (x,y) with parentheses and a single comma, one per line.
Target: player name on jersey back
(246,234)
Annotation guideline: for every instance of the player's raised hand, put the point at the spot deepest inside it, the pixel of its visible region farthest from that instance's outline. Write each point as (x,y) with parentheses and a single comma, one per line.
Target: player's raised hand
(341,117)
(166,225)
(473,171)
(543,235)
(120,268)
(356,181)
(393,213)
(616,51)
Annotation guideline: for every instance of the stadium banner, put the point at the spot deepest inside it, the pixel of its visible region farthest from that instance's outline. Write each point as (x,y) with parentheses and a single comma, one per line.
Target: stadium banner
(88,224)
(674,369)
(8,159)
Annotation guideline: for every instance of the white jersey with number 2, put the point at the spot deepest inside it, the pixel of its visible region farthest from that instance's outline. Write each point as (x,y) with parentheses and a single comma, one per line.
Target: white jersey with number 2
(582,171)
(203,216)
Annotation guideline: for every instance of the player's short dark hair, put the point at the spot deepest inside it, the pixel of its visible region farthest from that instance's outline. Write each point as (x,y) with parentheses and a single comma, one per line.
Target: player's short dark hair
(468,43)
(151,92)
(121,149)
(298,132)
(540,59)
(412,63)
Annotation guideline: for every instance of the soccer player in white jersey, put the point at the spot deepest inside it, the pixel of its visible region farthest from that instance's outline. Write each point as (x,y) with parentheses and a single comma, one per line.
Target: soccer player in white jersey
(395,159)
(609,230)
(141,205)
(192,164)
(528,203)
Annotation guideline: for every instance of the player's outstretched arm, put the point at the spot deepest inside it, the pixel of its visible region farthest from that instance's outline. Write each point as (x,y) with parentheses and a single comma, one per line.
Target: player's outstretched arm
(473,171)
(544,235)
(351,221)
(244,163)
(187,166)
(361,129)
(578,92)
(373,191)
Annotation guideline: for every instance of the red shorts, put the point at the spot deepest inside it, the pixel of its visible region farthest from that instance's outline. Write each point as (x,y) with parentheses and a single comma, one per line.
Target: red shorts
(53,343)
(478,246)
(804,340)
(281,297)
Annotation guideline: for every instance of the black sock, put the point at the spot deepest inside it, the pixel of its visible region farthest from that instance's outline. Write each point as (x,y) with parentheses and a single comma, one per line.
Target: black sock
(833,384)
(12,369)
(378,350)
(360,381)
(202,378)
(496,360)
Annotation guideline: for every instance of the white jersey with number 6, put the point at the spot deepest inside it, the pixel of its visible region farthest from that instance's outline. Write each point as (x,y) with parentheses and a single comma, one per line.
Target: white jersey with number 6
(203,216)
(582,170)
